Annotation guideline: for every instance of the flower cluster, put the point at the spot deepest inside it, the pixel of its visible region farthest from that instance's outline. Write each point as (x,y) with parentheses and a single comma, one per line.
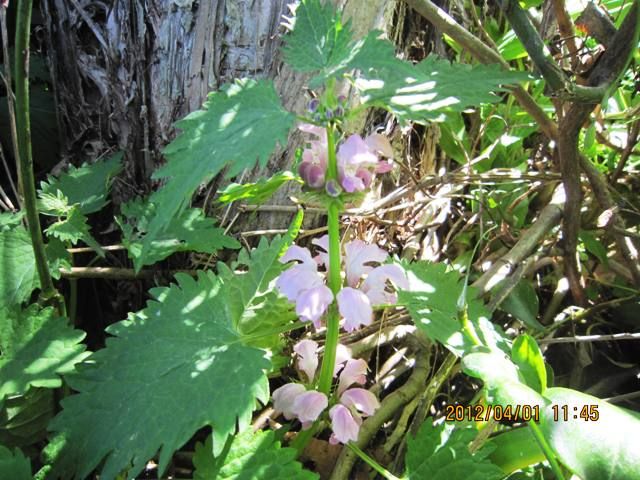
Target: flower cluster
(293,400)
(305,286)
(358,160)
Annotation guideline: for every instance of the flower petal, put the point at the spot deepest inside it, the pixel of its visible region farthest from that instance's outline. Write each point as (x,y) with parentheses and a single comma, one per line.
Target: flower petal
(345,426)
(362,400)
(303,255)
(355,307)
(309,405)
(378,143)
(307,350)
(375,285)
(342,355)
(284,397)
(354,153)
(355,371)
(293,281)
(357,254)
(312,303)
(323,257)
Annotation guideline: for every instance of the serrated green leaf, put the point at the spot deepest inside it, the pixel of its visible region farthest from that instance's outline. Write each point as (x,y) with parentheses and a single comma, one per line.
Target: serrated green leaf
(596,449)
(14,465)
(190,230)
(239,126)
(422,92)
(37,348)
(259,192)
(74,228)
(18,274)
(440,452)
(255,456)
(185,352)
(24,418)
(432,302)
(87,186)
(526,354)
(319,42)
(522,303)
(501,378)
(58,257)
(10,220)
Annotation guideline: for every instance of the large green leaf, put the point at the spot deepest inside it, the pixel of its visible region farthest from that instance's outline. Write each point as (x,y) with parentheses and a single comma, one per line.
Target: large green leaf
(239,126)
(516,449)
(319,42)
(432,301)
(440,452)
(18,274)
(37,347)
(502,380)
(255,456)
(422,92)
(190,230)
(87,186)
(605,447)
(526,354)
(14,465)
(183,351)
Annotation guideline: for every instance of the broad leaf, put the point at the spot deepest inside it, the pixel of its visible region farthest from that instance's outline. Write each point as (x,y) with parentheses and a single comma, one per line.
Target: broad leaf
(18,274)
(239,127)
(502,380)
(516,449)
(526,354)
(440,452)
(598,448)
(255,456)
(190,230)
(87,186)
(522,303)
(424,91)
(185,352)
(14,465)
(37,347)
(319,42)
(73,228)
(256,193)
(432,301)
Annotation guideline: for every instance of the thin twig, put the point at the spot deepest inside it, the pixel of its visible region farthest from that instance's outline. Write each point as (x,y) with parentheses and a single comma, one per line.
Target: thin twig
(591,338)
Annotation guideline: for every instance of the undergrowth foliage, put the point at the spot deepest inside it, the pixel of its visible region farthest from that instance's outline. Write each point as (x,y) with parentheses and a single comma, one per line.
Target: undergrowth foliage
(202,351)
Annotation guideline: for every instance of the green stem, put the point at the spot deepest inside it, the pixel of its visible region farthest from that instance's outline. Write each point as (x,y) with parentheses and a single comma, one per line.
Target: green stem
(335,279)
(546,449)
(25,160)
(372,463)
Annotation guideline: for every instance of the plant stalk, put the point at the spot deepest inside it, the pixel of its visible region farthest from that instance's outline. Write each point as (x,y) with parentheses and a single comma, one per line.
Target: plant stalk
(546,449)
(335,279)
(372,463)
(48,292)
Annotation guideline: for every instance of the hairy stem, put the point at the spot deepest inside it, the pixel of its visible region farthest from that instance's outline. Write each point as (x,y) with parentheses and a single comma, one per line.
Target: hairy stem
(48,293)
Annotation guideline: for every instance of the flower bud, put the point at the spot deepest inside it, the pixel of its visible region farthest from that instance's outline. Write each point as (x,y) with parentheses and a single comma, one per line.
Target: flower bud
(332,188)
(313,105)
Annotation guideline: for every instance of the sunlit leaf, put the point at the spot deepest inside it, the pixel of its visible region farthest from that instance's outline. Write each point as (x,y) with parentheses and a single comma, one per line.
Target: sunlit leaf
(255,456)
(18,274)
(516,449)
(190,230)
(602,447)
(526,354)
(432,301)
(258,192)
(87,186)
(37,347)
(441,452)
(73,228)
(185,352)
(238,128)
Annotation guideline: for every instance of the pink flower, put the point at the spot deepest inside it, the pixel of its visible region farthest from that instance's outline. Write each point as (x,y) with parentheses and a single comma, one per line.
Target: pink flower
(375,285)
(358,161)
(355,371)
(303,285)
(284,397)
(362,400)
(355,308)
(345,426)
(308,406)
(358,255)
(307,350)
